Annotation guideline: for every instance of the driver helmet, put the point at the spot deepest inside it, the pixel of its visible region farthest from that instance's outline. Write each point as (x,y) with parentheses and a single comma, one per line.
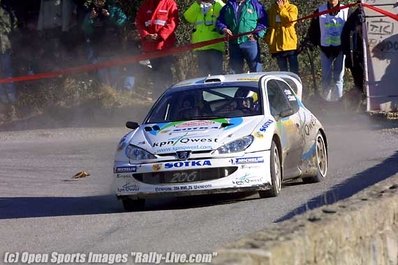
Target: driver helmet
(247,99)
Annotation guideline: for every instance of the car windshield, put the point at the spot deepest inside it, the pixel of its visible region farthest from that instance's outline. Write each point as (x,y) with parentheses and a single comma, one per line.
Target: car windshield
(207,103)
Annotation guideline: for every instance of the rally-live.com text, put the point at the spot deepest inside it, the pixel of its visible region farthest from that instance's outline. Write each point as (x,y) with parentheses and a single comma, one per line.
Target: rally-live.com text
(106,258)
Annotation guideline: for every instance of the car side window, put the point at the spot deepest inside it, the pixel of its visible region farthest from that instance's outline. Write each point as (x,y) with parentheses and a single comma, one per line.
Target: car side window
(277,98)
(290,95)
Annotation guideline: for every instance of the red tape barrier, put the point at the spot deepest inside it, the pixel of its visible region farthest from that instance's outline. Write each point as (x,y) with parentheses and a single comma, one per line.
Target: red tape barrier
(334,9)
(158,54)
(381,11)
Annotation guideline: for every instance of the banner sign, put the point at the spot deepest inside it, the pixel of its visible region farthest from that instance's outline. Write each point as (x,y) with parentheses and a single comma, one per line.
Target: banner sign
(381,55)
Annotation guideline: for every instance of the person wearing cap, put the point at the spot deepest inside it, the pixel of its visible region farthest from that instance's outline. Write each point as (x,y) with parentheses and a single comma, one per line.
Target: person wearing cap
(248,19)
(203,15)
(281,35)
(156,22)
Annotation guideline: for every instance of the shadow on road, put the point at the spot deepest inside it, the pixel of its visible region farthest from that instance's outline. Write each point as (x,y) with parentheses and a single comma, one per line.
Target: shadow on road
(351,186)
(29,207)
(24,207)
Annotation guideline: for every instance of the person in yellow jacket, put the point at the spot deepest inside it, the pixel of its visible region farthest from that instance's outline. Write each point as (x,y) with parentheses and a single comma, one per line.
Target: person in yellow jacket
(281,35)
(203,15)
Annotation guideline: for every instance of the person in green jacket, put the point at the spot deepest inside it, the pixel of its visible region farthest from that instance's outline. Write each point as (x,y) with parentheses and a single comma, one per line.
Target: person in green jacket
(203,15)
(243,22)
(281,35)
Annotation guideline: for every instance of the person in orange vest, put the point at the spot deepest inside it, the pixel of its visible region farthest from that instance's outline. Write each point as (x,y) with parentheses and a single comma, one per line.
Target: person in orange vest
(203,15)
(156,22)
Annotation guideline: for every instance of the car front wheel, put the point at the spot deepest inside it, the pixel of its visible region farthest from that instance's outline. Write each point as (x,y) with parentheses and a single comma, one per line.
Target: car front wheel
(276,174)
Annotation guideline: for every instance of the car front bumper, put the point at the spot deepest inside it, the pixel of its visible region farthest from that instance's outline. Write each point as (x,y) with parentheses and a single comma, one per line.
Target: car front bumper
(249,172)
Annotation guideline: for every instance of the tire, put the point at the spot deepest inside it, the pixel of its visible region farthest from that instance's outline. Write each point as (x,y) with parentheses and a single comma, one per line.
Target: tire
(131,205)
(321,160)
(276,174)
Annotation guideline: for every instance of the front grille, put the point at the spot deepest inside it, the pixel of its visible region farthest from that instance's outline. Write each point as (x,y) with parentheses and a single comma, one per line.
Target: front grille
(193,152)
(184,176)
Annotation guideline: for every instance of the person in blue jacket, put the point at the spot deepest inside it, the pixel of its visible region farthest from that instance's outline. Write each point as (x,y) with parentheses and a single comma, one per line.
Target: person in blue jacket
(236,18)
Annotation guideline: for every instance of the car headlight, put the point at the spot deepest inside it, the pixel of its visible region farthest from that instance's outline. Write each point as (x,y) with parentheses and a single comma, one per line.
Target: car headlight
(236,146)
(136,153)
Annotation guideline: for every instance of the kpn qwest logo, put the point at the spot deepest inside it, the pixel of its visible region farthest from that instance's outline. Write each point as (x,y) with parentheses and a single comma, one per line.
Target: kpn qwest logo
(184,140)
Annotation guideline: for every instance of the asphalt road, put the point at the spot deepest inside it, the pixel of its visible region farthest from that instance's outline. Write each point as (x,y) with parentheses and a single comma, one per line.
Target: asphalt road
(42,210)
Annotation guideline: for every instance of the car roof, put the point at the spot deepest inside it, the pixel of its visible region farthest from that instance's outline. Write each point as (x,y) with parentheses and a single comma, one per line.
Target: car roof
(231,78)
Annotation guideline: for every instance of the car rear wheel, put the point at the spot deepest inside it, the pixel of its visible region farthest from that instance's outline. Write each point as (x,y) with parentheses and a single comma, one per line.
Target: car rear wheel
(321,160)
(276,174)
(131,205)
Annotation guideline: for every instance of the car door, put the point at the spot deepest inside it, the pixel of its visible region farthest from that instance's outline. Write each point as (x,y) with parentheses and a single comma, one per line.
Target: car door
(284,107)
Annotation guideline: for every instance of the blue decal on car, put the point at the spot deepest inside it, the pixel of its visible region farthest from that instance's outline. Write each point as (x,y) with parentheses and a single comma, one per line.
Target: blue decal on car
(187,164)
(125,169)
(248,160)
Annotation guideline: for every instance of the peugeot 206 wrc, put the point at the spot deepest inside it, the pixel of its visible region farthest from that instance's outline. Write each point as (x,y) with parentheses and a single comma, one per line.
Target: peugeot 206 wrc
(219,134)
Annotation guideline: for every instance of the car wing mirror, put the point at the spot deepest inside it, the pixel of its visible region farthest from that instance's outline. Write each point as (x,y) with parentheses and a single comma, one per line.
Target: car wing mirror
(132,125)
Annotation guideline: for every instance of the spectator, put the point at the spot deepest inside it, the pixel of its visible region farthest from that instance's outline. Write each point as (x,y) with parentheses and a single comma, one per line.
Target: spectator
(241,16)
(55,19)
(203,14)
(325,31)
(102,28)
(156,22)
(281,35)
(8,24)
(352,45)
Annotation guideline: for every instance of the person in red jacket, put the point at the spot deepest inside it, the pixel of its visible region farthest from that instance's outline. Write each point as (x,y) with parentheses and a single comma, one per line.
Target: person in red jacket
(156,22)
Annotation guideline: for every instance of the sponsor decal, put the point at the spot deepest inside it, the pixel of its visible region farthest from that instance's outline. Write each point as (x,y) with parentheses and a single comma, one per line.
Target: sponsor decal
(194,126)
(192,187)
(125,169)
(258,135)
(202,186)
(247,160)
(128,187)
(184,140)
(161,189)
(156,167)
(265,126)
(187,164)
(119,175)
(247,179)
(310,125)
(179,148)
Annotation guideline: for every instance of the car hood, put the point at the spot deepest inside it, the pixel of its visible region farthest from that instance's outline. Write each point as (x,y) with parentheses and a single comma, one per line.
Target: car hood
(195,135)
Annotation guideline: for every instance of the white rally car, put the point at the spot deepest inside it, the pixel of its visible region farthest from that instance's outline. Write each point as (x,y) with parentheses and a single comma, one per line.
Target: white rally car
(218,134)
